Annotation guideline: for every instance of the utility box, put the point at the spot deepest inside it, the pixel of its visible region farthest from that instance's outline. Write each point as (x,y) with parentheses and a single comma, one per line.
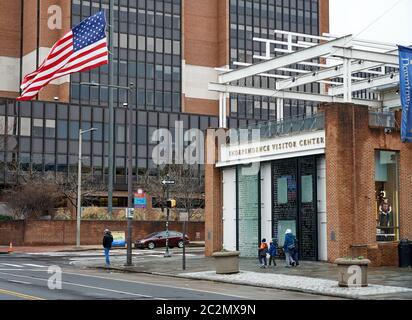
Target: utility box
(405,253)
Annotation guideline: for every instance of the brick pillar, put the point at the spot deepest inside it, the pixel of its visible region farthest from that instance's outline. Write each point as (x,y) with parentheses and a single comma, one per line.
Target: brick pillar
(213,198)
(349,178)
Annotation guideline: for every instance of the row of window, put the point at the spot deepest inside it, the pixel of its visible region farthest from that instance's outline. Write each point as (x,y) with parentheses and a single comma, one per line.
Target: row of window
(45,135)
(167,6)
(259,18)
(147,52)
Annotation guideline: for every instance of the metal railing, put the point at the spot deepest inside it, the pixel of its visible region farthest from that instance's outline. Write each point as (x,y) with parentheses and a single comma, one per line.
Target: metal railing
(382,119)
(287,126)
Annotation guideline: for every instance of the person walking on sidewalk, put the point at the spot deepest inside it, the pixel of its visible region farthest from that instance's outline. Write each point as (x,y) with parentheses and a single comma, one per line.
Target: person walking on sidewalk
(273,252)
(263,250)
(295,253)
(107,245)
(289,247)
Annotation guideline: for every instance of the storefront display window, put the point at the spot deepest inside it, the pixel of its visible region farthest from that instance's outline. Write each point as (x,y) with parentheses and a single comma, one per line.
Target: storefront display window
(387,195)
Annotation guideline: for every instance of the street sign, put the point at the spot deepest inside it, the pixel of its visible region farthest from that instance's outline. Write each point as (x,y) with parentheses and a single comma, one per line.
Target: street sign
(140,200)
(129,213)
(183,216)
(168,181)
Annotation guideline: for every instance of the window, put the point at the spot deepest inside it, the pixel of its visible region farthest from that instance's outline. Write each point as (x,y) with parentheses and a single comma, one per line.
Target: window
(387,195)
(37,128)
(50,128)
(74,130)
(62,129)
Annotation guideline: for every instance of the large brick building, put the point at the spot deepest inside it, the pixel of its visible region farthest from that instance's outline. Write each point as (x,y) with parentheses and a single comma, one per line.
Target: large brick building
(329,192)
(168,48)
(339,179)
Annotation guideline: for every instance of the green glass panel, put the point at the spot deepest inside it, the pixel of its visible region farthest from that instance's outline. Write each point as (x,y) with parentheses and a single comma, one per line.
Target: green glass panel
(248,213)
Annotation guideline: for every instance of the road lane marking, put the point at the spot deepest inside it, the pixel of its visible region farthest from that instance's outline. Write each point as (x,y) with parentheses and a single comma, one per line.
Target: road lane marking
(20,282)
(90,287)
(159,285)
(15,270)
(11,265)
(34,265)
(149,284)
(19,295)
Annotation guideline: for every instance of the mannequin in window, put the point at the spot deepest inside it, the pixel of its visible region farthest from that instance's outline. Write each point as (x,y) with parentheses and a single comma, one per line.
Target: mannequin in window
(385,210)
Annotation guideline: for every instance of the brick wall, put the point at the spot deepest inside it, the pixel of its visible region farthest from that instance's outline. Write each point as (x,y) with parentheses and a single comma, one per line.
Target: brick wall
(10,25)
(205,38)
(12,231)
(213,199)
(350,172)
(64,232)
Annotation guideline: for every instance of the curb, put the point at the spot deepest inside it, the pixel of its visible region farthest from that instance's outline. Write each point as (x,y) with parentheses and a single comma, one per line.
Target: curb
(235,283)
(117,248)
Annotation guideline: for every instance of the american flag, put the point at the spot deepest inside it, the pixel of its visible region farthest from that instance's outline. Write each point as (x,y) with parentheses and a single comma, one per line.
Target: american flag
(81,49)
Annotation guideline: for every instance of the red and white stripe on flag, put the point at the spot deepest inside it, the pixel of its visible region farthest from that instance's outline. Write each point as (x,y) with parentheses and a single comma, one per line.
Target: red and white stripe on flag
(78,50)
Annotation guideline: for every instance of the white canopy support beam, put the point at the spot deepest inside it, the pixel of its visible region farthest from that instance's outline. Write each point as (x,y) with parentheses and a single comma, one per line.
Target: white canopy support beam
(288,95)
(329,73)
(347,80)
(367,84)
(286,60)
(279,109)
(356,54)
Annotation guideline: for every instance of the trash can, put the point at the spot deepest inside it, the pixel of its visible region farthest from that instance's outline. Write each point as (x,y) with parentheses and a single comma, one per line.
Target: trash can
(405,253)
(410,253)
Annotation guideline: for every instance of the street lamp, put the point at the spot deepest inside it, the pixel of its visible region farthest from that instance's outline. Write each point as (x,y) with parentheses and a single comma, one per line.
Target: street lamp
(130,89)
(79,185)
(129,174)
(111,138)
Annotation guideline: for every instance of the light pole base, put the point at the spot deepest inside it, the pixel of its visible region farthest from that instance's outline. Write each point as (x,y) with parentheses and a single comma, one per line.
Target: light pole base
(167,254)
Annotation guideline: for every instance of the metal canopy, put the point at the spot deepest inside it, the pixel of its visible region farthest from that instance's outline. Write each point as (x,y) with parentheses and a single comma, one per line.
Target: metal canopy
(347,68)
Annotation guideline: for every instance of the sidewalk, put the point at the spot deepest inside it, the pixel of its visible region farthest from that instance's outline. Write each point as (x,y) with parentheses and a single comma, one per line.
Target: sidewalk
(71,248)
(310,277)
(32,249)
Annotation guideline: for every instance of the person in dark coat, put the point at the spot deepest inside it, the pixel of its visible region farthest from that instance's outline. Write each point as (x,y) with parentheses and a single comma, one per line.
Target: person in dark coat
(107,245)
(295,253)
(273,252)
(289,248)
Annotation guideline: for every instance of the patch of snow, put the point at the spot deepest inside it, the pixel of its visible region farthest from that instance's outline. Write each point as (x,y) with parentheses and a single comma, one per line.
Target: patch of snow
(296,283)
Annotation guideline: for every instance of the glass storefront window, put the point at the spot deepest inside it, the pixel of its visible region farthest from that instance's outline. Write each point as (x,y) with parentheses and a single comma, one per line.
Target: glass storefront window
(387,195)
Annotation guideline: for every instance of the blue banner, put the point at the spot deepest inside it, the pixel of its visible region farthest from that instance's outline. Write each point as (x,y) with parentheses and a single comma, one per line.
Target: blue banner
(405,71)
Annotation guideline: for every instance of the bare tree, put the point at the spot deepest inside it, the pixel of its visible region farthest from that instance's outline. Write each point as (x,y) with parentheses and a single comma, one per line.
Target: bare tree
(188,189)
(32,200)
(67,186)
(62,184)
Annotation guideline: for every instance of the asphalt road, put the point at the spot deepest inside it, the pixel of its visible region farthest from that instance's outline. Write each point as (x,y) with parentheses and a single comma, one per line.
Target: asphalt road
(26,277)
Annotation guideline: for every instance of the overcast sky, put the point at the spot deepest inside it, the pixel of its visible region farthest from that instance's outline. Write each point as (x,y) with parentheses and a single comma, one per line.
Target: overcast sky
(353,16)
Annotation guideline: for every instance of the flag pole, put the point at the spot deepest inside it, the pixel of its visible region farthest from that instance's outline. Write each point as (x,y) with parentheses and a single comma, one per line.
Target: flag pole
(111,106)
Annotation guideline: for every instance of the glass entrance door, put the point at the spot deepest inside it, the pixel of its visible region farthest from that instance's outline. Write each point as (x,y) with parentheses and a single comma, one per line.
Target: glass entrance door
(295,203)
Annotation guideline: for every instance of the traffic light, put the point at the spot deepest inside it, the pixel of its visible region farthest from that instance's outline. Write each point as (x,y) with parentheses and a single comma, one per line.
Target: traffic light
(171,203)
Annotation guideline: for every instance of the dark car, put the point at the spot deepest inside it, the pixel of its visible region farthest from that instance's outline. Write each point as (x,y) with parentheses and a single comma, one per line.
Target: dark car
(158,239)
